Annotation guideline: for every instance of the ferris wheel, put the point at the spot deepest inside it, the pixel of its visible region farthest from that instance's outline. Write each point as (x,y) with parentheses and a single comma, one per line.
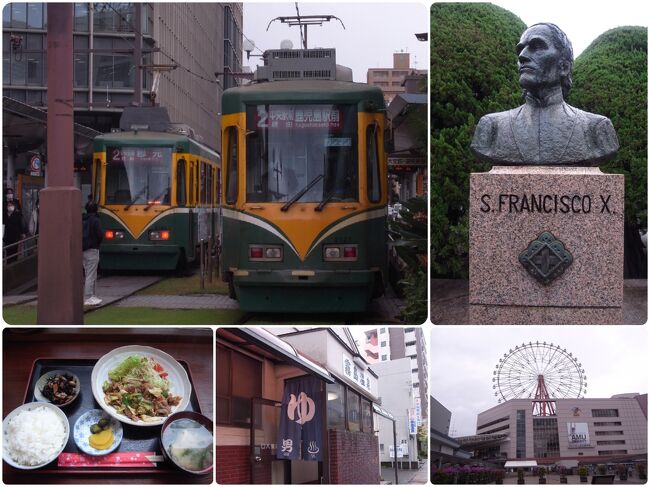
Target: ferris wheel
(541,372)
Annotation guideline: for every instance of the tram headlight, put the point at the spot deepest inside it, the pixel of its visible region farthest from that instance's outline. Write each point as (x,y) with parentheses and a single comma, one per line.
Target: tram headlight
(332,253)
(159,235)
(114,235)
(265,253)
(345,253)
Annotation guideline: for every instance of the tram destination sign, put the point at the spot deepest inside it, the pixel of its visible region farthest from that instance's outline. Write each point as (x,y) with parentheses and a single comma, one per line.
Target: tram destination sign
(303,117)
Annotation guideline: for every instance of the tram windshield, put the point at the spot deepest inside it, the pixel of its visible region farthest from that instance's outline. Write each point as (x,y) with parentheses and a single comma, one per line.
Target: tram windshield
(138,175)
(308,149)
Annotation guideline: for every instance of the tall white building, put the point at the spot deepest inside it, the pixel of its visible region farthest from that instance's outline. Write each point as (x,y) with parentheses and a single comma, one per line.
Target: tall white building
(392,343)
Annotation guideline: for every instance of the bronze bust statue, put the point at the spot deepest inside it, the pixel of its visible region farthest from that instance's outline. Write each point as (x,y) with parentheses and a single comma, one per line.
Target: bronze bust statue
(545,130)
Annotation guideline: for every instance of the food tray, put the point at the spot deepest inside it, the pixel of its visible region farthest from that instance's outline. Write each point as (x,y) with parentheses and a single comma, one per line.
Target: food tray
(136,438)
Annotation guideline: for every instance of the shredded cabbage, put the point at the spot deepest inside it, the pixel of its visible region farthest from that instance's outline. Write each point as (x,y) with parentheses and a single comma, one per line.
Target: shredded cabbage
(138,368)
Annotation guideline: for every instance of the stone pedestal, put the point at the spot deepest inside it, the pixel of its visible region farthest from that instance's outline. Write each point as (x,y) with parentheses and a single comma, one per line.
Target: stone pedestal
(546,246)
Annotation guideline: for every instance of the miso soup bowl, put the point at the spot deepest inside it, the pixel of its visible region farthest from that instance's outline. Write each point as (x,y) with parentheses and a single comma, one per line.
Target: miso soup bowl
(199,418)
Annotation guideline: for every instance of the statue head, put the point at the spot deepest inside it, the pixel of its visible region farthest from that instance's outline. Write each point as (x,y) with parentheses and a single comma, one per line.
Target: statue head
(545,59)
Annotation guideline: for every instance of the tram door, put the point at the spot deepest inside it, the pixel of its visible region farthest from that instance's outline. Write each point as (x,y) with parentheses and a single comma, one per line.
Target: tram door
(265,422)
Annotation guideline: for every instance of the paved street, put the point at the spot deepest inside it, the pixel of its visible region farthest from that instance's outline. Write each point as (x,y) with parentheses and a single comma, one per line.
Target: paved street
(121,291)
(420,476)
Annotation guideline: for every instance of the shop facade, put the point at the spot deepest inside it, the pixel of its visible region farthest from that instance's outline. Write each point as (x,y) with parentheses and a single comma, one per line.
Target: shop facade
(293,409)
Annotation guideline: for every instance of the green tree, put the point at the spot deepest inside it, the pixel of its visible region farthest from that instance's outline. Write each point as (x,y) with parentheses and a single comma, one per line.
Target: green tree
(611,78)
(473,72)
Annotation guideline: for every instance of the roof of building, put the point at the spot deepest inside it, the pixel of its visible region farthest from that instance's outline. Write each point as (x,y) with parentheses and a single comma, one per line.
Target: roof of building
(269,342)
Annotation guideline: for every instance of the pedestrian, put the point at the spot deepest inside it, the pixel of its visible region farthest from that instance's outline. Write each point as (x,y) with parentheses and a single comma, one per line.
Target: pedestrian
(92,238)
(33,219)
(10,197)
(13,228)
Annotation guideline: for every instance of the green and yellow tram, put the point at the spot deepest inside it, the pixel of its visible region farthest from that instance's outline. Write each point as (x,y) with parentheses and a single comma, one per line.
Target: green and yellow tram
(304,196)
(158,197)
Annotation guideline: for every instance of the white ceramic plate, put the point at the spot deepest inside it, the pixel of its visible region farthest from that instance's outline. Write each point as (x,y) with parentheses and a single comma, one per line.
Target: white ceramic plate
(81,432)
(179,383)
(29,407)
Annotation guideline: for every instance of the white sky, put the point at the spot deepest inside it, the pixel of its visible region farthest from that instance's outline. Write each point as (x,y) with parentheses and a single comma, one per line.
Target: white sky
(373,32)
(582,21)
(462,360)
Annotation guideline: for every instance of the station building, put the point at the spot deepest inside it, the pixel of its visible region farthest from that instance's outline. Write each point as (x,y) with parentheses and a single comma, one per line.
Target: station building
(262,378)
(203,38)
(583,430)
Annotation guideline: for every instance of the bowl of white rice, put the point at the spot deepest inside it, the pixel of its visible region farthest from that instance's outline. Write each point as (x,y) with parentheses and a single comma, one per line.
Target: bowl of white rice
(33,435)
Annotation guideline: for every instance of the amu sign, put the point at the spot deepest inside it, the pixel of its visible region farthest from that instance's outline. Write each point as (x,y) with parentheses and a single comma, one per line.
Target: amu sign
(578,435)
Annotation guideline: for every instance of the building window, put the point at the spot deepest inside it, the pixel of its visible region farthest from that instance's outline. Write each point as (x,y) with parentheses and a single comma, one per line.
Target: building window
(382,344)
(521,433)
(382,330)
(408,330)
(81,17)
(611,442)
(381,447)
(504,418)
(239,378)
(35,15)
(612,452)
(113,17)
(609,433)
(604,413)
(384,358)
(408,344)
(113,70)
(607,423)
(335,406)
(415,371)
(494,430)
(366,416)
(372,160)
(354,411)
(80,62)
(546,442)
(416,385)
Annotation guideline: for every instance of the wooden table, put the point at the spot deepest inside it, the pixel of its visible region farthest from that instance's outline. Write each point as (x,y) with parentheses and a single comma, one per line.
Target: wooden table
(21,346)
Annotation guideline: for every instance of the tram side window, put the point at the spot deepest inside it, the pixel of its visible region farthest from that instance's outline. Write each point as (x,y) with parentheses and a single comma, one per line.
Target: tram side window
(202,197)
(97,181)
(181,194)
(232,183)
(372,156)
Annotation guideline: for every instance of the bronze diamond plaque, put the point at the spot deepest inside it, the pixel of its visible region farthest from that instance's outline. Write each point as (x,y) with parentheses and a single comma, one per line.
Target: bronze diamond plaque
(546,258)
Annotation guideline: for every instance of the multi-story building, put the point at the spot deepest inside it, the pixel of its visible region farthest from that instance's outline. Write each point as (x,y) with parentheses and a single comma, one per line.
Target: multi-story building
(391,80)
(585,430)
(396,395)
(392,343)
(198,39)
(444,449)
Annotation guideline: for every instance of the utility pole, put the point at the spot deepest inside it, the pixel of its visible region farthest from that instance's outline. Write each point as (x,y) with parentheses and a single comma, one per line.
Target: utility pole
(60,288)
(137,55)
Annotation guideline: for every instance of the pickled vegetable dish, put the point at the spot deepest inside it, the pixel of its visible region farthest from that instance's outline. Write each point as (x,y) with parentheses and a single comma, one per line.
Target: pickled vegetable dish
(139,389)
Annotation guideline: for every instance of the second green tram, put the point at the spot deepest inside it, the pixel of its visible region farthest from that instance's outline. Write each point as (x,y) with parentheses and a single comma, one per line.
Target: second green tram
(158,198)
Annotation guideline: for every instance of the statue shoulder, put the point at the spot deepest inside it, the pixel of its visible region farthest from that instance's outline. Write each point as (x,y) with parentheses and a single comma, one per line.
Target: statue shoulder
(600,131)
(488,126)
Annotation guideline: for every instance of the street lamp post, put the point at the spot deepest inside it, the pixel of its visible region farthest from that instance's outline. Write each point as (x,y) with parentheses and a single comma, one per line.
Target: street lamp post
(60,292)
